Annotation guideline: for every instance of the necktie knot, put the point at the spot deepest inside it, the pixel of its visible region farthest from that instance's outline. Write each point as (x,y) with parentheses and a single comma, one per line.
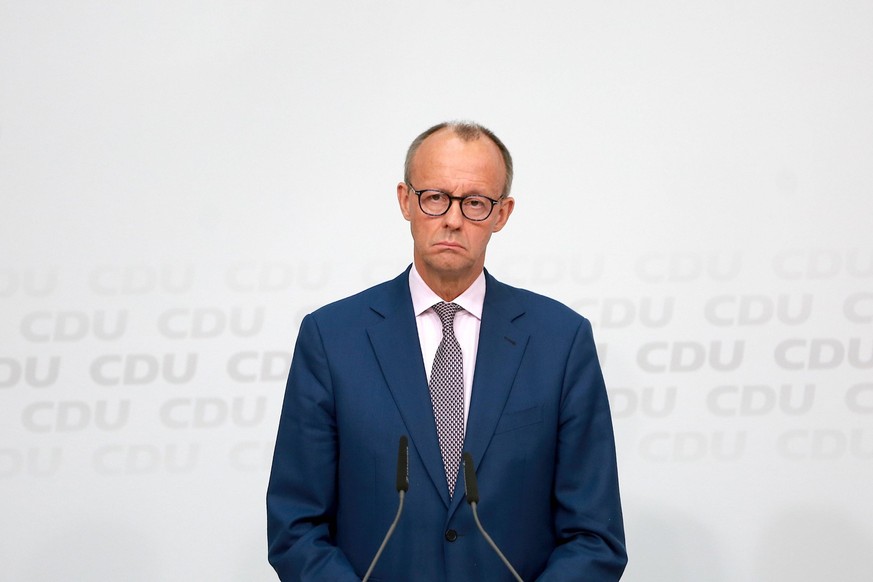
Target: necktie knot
(447,312)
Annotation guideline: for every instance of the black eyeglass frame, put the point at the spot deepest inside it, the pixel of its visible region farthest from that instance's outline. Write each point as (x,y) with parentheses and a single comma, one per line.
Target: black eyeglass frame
(460,200)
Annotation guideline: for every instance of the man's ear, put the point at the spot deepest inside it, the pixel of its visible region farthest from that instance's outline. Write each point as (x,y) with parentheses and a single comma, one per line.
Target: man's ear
(403,199)
(504,209)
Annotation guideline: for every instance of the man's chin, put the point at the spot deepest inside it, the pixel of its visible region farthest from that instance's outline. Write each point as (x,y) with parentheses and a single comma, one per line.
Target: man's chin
(450,270)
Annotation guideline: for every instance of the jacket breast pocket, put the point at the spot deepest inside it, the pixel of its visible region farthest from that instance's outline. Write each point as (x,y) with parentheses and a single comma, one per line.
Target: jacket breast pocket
(520,419)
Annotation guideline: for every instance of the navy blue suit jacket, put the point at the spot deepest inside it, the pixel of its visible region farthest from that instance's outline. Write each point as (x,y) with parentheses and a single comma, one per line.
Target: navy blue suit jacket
(539,431)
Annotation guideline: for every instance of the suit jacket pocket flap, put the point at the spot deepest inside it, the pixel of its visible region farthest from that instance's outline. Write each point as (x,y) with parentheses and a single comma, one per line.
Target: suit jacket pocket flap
(515,420)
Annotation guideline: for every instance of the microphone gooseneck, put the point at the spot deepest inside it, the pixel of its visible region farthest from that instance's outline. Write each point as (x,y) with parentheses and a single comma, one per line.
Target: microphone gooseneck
(471,489)
(402,488)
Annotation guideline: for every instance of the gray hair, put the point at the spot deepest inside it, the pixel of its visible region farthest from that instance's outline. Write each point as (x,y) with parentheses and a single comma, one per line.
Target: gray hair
(467,131)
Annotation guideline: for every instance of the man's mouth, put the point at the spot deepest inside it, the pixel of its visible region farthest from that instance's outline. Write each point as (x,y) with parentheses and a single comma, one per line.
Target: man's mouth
(448,244)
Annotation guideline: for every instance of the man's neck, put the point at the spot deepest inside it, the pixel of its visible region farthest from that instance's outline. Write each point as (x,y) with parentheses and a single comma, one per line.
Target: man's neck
(448,288)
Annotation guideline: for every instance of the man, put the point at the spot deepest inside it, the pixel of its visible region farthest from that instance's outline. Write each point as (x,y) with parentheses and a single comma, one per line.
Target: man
(454,359)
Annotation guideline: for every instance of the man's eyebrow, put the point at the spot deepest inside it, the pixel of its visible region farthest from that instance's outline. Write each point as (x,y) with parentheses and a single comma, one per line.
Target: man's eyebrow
(462,195)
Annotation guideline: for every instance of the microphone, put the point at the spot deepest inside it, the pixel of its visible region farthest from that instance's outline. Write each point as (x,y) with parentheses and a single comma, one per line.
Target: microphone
(403,465)
(471,486)
(471,491)
(402,488)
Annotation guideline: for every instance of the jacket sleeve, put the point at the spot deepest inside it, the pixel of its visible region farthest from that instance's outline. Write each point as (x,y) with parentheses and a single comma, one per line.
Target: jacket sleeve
(587,508)
(302,492)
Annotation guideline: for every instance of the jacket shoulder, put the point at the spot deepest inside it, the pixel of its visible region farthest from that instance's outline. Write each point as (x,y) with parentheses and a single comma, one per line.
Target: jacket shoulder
(536,306)
(365,305)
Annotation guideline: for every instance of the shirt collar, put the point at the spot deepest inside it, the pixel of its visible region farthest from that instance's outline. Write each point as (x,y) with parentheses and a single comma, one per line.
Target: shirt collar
(423,297)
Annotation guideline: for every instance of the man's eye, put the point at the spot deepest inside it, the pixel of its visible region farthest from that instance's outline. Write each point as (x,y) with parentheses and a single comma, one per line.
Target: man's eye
(434,197)
(474,203)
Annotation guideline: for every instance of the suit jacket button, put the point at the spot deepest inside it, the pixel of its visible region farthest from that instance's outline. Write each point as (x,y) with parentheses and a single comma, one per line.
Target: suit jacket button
(451,535)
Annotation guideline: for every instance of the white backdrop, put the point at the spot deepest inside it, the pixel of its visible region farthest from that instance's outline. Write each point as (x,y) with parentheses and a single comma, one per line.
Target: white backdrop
(182,181)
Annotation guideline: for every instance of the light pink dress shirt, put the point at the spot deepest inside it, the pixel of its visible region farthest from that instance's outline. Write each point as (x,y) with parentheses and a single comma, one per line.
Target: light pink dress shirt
(467,323)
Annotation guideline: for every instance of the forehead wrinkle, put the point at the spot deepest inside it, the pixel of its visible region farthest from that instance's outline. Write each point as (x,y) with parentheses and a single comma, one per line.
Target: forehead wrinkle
(459,187)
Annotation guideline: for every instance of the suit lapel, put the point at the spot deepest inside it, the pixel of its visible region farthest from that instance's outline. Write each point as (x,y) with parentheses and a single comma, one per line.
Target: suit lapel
(501,347)
(398,350)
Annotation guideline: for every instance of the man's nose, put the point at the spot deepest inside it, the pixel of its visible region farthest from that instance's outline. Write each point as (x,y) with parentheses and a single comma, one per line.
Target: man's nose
(454,218)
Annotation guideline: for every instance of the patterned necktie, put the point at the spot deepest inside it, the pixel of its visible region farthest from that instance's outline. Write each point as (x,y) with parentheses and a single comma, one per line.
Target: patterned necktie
(447,393)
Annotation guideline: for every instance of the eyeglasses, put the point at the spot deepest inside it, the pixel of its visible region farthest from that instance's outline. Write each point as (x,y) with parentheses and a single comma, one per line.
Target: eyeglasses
(474,207)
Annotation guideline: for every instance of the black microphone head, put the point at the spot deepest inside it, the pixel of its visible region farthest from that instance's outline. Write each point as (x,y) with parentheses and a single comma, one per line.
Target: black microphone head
(403,465)
(471,487)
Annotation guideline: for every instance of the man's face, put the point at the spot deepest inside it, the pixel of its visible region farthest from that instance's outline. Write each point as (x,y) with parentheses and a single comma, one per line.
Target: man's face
(451,248)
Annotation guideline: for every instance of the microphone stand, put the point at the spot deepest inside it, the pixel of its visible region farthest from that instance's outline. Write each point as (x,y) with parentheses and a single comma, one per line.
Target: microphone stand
(402,495)
(402,488)
(471,490)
